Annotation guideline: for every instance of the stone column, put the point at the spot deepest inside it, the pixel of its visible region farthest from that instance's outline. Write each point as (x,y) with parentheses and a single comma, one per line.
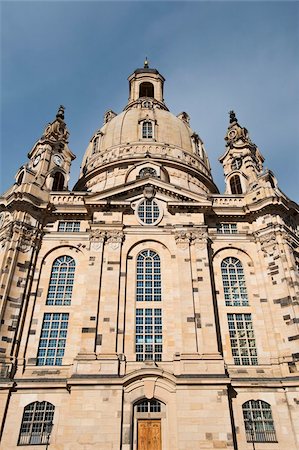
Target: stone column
(109,297)
(186,306)
(203,294)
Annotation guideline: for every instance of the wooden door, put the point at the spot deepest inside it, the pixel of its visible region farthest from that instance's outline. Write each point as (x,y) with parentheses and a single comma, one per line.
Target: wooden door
(149,435)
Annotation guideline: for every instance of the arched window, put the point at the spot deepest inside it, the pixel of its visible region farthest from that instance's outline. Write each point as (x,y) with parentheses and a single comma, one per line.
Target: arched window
(235,292)
(148,276)
(147,130)
(148,211)
(20,178)
(95,144)
(258,421)
(58,182)
(36,424)
(235,185)
(146,89)
(61,281)
(148,337)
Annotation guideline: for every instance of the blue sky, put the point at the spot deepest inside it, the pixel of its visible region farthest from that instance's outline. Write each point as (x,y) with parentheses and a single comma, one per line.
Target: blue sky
(215,56)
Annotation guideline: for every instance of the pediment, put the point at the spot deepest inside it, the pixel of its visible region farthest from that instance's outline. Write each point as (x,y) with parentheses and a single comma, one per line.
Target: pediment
(135,190)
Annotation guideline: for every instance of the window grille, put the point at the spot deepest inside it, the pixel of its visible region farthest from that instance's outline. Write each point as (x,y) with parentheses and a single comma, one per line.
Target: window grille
(148,211)
(148,276)
(226,228)
(61,281)
(148,337)
(35,423)
(235,292)
(68,227)
(149,406)
(147,130)
(52,340)
(258,421)
(242,339)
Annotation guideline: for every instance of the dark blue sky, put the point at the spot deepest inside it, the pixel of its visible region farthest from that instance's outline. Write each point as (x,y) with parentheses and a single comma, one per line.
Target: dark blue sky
(215,56)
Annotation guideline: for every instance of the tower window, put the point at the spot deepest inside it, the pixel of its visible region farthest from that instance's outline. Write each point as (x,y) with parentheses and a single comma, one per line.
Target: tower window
(147,130)
(258,421)
(58,182)
(235,292)
(146,90)
(61,281)
(148,276)
(36,421)
(52,340)
(242,339)
(20,178)
(148,337)
(235,185)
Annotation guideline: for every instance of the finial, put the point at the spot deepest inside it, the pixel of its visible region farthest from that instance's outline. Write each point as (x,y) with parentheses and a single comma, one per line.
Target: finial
(60,112)
(146,63)
(232,117)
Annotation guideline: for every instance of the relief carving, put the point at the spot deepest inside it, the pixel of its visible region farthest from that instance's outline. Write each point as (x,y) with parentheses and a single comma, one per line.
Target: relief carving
(182,239)
(97,238)
(115,238)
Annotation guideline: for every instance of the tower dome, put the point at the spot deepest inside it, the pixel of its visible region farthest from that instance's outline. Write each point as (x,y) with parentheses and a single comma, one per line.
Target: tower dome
(145,132)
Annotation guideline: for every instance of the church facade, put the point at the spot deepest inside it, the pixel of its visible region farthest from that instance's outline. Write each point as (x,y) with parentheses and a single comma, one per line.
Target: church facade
(144,310)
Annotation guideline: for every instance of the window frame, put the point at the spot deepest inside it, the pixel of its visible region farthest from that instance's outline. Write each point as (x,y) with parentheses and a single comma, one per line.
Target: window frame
(233,282)
(235,185)
(142,215)
(34,437)
(240,340)
(258,427)
(61,282)
(52,346)
(73,225)
(226,228)
(148,334)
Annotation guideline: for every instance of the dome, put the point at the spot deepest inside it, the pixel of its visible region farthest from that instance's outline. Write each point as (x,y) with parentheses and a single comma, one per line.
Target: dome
(145,128)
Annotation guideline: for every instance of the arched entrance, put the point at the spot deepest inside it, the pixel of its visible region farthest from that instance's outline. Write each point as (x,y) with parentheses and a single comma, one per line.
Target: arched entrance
(147,427)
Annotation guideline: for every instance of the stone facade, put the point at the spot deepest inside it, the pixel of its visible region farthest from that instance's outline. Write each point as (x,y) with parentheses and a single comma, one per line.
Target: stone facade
(145,295)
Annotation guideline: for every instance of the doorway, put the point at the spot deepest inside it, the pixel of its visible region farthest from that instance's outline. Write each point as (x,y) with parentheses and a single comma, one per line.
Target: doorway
(149,434)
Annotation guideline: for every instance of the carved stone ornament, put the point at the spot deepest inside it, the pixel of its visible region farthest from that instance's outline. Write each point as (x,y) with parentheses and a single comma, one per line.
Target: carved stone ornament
(149,192)
(115,238)
(57,131)
(268,243)
(28,237)
(200,238)
(182,239)
(237,133)
(6,235)
(97,239)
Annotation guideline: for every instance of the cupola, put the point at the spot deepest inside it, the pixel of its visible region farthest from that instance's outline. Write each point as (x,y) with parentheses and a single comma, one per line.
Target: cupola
(146,83)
